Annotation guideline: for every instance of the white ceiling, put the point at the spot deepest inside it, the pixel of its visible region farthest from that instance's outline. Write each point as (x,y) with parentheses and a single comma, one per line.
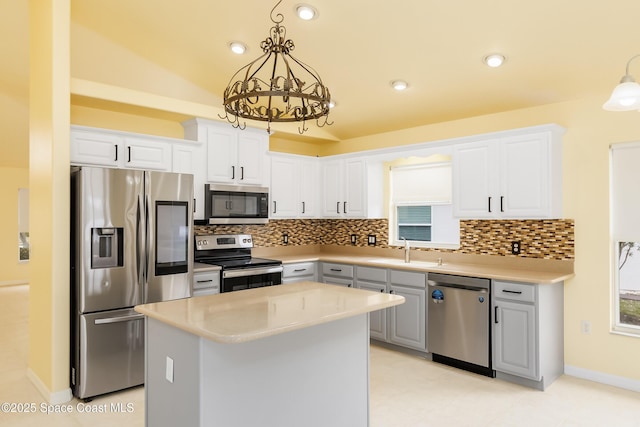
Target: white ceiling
(557,50)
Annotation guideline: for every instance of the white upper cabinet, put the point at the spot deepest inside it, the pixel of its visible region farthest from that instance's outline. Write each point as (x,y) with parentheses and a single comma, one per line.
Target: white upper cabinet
(100,147)
(147,153)
(344,188)
(234,156)
(294,186)
(95,148)
(191,157)
(514,176)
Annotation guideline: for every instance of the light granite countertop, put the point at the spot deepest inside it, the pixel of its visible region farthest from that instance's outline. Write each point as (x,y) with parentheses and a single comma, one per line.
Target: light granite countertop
(251,314)
(498,268)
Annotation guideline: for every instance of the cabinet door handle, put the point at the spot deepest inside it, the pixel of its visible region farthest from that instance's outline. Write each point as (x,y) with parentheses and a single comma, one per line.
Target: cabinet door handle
(303,207)
(129,154)
(337,207)
(345,207)
(116,147)
(194,205)
(241,173)
(300,270)
(382,291)
(204,281)
(501,203)
(336,269)
(507,291)
(349,285)
(489,199)
(233,172)
(495,315)
(275,207)
(391,291)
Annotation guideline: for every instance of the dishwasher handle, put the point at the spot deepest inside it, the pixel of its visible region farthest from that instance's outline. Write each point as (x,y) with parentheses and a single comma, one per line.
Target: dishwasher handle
(458,286)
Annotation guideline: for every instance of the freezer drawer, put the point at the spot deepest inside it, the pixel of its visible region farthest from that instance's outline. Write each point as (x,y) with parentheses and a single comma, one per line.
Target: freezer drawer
(109,352)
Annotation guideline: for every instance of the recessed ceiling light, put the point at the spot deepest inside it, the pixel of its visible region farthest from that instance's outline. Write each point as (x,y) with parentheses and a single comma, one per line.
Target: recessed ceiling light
(237,48)
(399,85)
(494,60)
(306,12)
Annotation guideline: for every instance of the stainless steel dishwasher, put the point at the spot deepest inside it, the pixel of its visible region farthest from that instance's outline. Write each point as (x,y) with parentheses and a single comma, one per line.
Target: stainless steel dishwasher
(459,316)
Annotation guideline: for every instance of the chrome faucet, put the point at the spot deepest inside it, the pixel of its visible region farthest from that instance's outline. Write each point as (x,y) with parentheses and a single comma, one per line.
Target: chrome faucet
(406,251)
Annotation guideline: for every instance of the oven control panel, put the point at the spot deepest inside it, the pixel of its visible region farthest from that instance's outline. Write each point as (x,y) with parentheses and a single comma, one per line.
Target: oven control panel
(223,241)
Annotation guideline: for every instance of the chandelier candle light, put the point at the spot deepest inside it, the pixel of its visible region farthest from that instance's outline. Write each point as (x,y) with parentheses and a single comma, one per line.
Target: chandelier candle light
(277,87)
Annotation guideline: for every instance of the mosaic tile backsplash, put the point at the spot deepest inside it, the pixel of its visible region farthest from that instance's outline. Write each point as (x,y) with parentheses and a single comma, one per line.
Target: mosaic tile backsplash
(543,239)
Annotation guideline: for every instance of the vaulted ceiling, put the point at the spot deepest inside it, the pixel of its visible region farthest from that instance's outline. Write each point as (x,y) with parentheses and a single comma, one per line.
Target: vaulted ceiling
(556,51)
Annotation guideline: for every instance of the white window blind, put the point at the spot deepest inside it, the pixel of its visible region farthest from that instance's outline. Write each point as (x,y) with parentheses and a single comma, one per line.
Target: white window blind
(625,192)
(422,183)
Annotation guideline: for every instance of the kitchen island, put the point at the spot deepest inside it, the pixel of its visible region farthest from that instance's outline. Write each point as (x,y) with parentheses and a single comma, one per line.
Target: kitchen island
(283,356)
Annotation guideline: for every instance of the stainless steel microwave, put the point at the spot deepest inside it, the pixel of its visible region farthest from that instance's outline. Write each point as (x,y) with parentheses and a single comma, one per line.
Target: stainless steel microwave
(234,204)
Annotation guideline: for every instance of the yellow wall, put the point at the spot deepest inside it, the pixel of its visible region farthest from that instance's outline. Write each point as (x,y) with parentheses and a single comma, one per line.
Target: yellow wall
(12,270)
(49,197)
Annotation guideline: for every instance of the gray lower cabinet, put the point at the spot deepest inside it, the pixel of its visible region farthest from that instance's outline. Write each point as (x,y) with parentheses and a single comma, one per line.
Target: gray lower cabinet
(299,272)
(405,324)
(527,332)
(337,274)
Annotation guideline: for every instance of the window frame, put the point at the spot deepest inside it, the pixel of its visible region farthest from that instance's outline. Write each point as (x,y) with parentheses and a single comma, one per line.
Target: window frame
(615,238)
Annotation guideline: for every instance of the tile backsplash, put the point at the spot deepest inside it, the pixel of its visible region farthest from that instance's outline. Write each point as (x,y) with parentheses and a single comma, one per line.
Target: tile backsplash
(543,239)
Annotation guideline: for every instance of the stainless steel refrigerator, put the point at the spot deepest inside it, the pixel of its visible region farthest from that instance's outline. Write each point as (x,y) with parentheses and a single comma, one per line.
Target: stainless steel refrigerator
(131,243)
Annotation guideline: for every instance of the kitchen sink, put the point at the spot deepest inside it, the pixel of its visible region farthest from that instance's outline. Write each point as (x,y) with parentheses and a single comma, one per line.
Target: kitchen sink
(396,261)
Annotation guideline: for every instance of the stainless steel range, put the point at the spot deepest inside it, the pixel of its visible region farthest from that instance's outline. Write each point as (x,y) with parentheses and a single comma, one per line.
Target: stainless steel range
(240,270)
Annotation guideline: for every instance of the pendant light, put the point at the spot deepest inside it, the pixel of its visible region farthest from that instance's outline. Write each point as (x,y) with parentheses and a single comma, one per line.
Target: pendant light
(625,96)
(277,87)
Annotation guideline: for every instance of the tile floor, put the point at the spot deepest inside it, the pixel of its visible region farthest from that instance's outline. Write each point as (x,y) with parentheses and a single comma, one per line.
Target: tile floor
(406,391)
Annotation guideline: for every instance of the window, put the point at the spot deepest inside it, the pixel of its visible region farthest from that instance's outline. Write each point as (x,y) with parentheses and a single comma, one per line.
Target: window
(625,234)
(420,207)
(414,222)
(23,224)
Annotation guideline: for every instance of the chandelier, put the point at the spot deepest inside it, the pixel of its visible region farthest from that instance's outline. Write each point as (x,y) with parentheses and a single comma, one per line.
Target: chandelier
(277,87)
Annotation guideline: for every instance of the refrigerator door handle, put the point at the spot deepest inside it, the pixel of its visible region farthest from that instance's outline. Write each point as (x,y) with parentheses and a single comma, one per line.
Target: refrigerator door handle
(119,319)
(147,207)
(140,238)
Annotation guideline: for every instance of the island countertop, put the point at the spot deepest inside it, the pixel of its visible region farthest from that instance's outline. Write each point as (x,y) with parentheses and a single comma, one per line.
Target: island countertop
(247,315)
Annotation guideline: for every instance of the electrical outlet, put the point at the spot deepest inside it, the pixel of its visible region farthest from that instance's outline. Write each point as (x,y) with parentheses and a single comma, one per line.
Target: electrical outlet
(354,239)
(372,240)
(285,238)
(585,326)
(515,247)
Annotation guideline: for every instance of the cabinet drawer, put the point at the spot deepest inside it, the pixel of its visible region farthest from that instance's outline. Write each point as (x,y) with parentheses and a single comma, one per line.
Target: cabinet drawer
(210,279)
(409,278)
(514,291)
(371,274)
(339,270)
(302,269)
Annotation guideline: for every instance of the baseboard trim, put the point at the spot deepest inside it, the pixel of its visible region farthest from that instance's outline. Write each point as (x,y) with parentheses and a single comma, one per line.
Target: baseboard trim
(601,377)
(54,398)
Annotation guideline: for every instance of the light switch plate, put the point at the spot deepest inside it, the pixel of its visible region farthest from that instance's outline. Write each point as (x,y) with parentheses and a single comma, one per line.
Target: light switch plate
(169,370)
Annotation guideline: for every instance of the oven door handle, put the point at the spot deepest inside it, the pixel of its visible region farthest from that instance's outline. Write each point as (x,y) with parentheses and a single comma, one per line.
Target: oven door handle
(229,274)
